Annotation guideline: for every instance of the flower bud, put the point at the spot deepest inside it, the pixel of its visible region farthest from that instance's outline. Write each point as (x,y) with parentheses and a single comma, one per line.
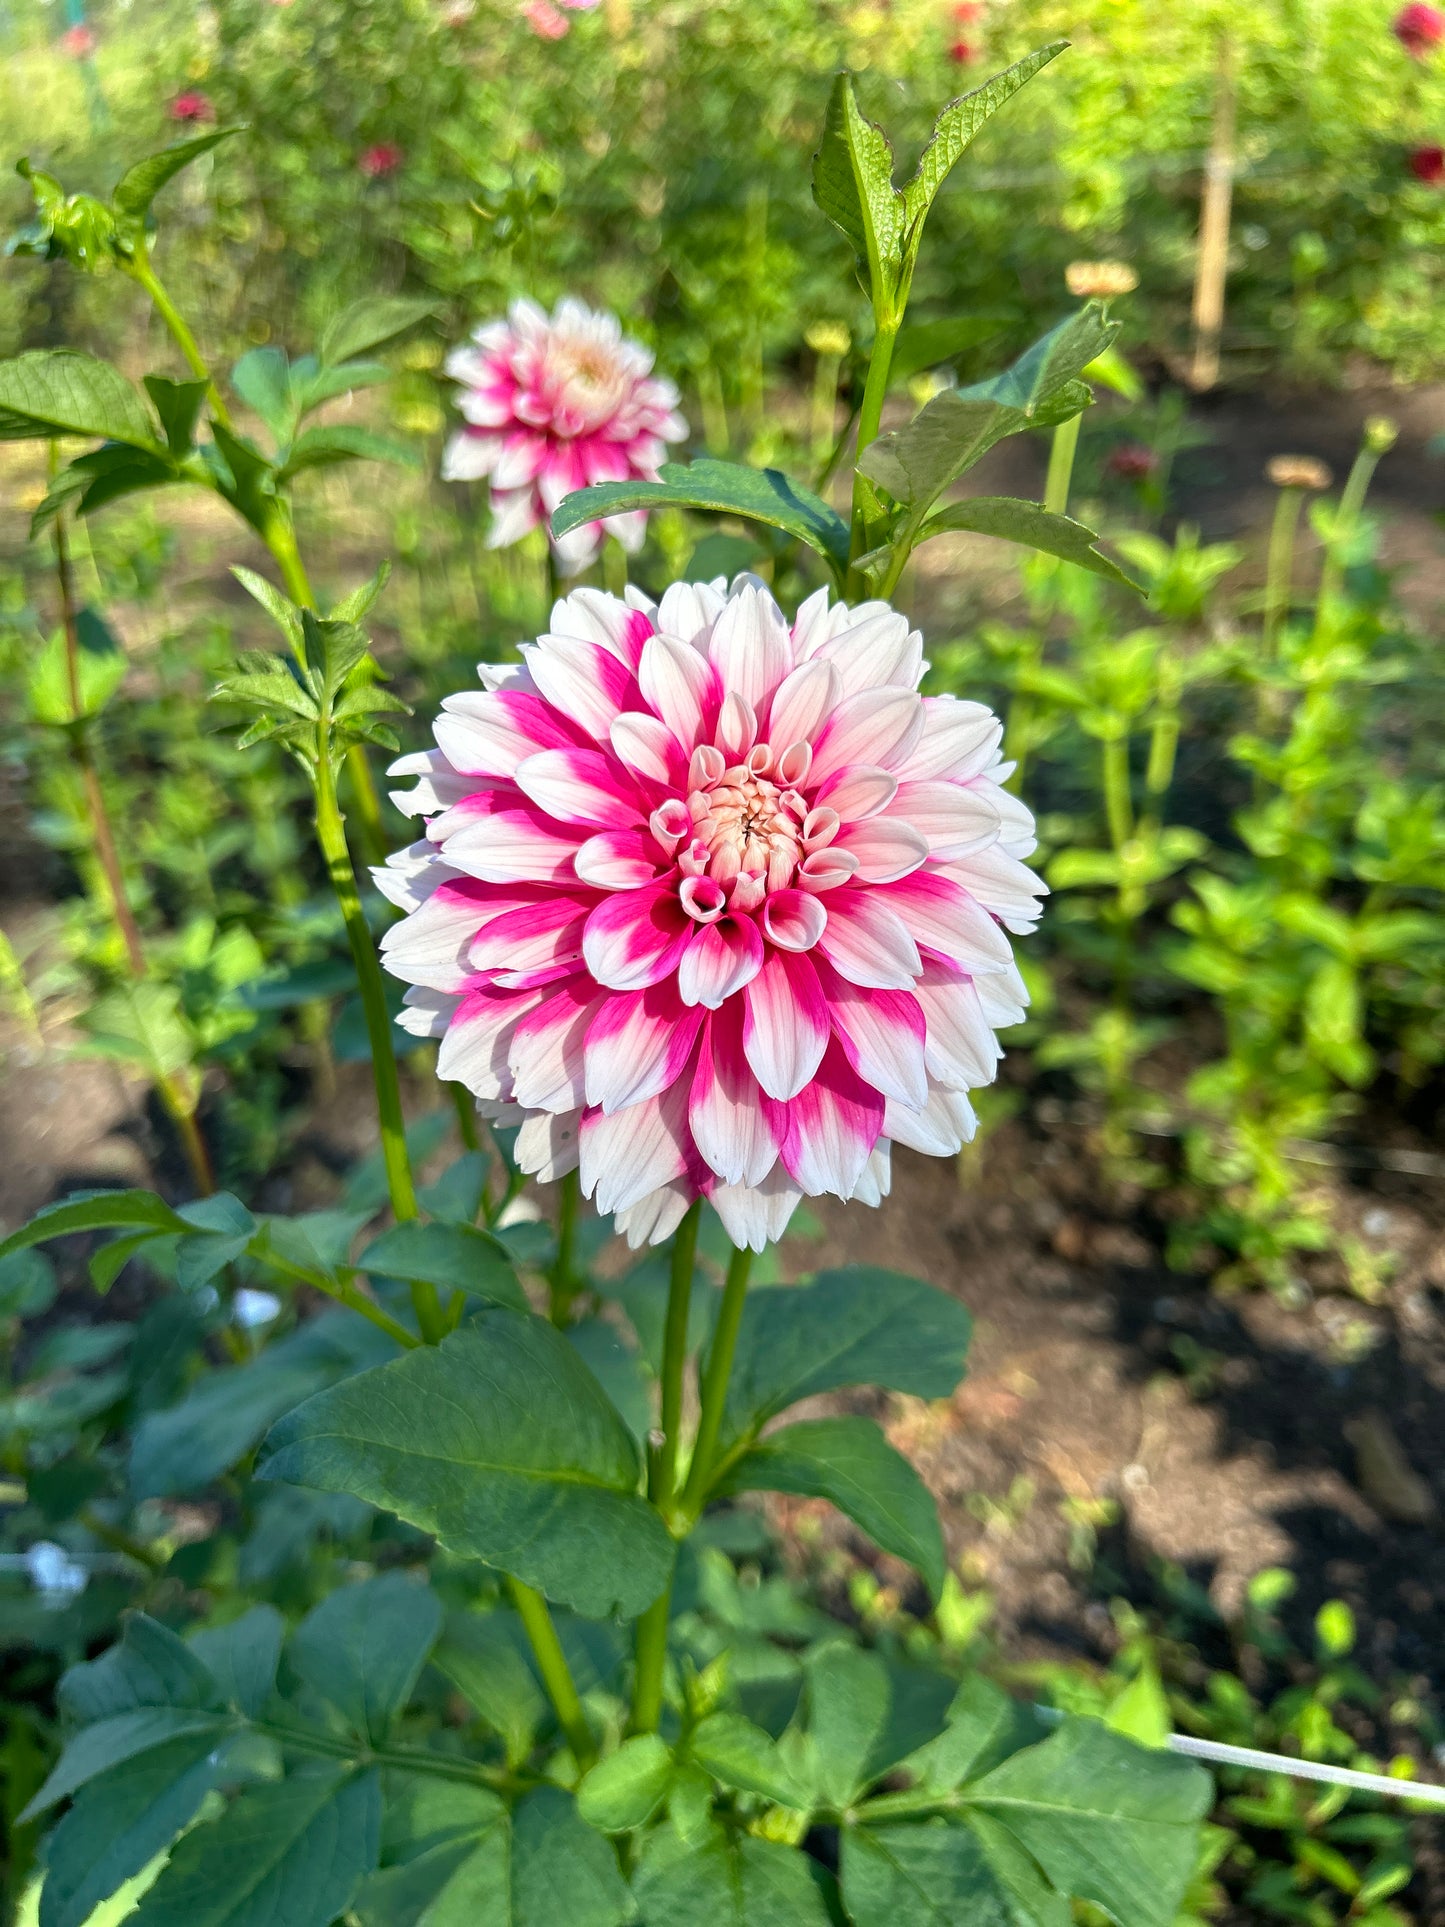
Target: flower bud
(828,338)
(1299,471)
(1381,434)
(1098,280)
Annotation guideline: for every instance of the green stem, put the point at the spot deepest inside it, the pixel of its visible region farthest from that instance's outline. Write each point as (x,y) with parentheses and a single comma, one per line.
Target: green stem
(1279,574)
(715,1383)
(650,1652)
(1061,465)
(331,836)
(1352,500)
(409,1759)
(466,1117)
(870,416)
(662,1480)
(141,271)
(556,1674)
(562,1285)
(120,1541)
(1118,804)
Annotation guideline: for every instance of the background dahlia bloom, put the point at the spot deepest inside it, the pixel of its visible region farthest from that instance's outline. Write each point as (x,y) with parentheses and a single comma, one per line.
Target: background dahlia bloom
(1419,28)
(714,905)
(553,403)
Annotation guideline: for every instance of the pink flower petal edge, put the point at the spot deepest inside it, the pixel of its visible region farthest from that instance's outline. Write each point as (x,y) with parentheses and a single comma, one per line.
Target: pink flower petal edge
(553,403)
(711,904)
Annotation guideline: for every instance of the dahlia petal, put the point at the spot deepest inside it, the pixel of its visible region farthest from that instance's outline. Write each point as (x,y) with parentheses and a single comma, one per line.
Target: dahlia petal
(689,609)
(832,1125)
(1016,819)
(408,877)
(875,726)
(947,918)
(653,1219)
(485,733)
(619,860)
(426,1012)
(439,788)
(957,740)
(876,1180)
(1003,885)
(430,946)
(785,1029)
(961,1051)
(877,651)
(547,1052)
(882,1033)
(512,846)
(722,958)
(586,683)
(943,1126)
(756,1215)
(750,647)
(513,516)
(680,686)
(628,1153)
(885,849)
(581,786)
(629,528)
(957,821)
(521,457)
(547,1145)
(793,920)
(637,1046)
(648,748)
(474,1050)
(867,942)
(861,790)
(467,457)
(636,938)
(1004,997)
(579,548)
(726,1113)
(811,627)
(532,937)
(801,703)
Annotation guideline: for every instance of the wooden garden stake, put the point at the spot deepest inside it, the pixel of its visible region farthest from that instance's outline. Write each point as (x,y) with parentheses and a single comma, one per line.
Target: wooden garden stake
(1214,210)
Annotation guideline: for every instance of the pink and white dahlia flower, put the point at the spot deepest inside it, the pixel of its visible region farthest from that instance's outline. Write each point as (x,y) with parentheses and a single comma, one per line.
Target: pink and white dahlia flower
(713,905)
(553,403)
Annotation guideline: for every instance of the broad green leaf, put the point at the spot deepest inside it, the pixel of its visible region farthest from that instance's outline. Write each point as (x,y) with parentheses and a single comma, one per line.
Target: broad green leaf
(501,1443)
(326,447)
(242,474)
(720,488)
(149,1666)
(456,1196)
(444,1858)
(481,1654)
(1035,527)
(178,403)
(849,1698)
(139,185)
(849,1462)
(853,185)
(957,428)
(142,1023)
(935,1874)
(1141,1711)
(925,344)
(1106,1820)
(733,1882)
(855,1326)
(120,1822)
(100,671)
(563,1873)
(354,606)
(311,384)
(282,611)
(53,391)
(95,1749)
(618,1369)
(104,475)
(262,378)
(294,1853)
(455,1257)
(626,1789)
(27,1284)
(742,1755)
(985,1725)
(956,126)
(95,1211)
(364,1646)
(370,322)
(242,1656)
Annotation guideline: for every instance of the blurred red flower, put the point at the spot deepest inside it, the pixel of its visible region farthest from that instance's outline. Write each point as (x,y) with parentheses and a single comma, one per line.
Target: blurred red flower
(1131,462)
(78,42)
(545,21)
(961,52)
(380,160)
(965,12)
(191,106)
(1418,28)
(1427,164)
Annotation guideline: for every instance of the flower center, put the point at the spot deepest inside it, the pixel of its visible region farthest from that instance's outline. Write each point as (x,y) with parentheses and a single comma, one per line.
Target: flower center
(589,382)
(748,826)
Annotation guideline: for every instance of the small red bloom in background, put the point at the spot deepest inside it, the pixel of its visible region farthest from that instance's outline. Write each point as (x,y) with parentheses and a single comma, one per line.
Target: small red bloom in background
(380,160)
(78,42)
(965,12)
(962,52)
(545,21)
(1131,462)
(1427,164)
(1419,28)
(191,107)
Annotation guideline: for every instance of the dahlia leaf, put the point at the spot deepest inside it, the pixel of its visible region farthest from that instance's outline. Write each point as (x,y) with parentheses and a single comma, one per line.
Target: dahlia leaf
(958,427)
(1031,525)
(728,1882)
(368,324)
(454,1257)
(853,185)
(925,344)
(60,391)
(327,447)
(353,607)
(262,378)
(501,1443)
(311,384)
(956,127)
(295,1851)
(178,403)
(626,1789)
(141,471)
(139,185)
(934,1874)
(745,1757)
(1108,1821)
(96,1211)
(106,1743)
(848,1462)
(282,611)
(242,474)
(855,1326)
(266,682)
(719,488)
(362,1649)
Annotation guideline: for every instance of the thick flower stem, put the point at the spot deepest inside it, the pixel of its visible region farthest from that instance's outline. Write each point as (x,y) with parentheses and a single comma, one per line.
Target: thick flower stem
(562,1285)
(331,836)
(1062,450)
(715,1383)
(1280,571)
(556,1674)
(141,271)
(870,416)
(1379,436)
